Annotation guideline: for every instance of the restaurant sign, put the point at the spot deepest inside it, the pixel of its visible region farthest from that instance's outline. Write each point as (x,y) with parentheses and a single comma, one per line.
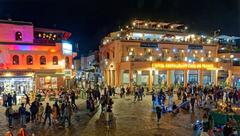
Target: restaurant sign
(195,47)
(149,45)
(184,65)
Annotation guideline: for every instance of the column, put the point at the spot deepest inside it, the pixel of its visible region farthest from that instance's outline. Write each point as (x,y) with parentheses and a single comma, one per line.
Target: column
(130,78)
(169,78)
(111,77)
(185,78)
(216,77)
(200,73)
(230,77)
(150,81)
(139,73)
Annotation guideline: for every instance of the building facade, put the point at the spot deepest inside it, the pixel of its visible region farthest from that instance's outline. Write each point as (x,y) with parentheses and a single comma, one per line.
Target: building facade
(155,53)
(90,74)
(33,58)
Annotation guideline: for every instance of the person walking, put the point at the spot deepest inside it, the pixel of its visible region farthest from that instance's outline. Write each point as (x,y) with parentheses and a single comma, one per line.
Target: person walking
(15,98)
(27,99)
(33,110)
(73,97)
(40,112)
(109,116)
(9,115)
(9,99)
(67,113)
(48,111)
(192,102)
(159,113)
(22,113)
(54,114)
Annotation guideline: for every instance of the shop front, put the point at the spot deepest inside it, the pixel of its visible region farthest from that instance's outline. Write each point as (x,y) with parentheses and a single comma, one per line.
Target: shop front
(17,84)
(169,74)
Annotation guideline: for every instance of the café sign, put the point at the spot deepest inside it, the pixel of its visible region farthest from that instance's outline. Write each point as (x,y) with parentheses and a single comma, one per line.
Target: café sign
(184,65)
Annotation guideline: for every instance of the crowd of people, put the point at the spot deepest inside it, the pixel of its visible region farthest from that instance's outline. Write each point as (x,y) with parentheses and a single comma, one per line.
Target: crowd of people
(195,97)
(190,97)
(58,113)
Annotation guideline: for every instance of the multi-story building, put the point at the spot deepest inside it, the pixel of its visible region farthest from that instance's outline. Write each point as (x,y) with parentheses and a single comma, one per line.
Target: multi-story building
(90,71)
(33,58)
(153,53)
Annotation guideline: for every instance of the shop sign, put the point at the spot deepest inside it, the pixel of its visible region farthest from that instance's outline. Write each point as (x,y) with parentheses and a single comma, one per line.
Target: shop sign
(67,49)
(149,45)
(68,72)
(208,66)
(195,47)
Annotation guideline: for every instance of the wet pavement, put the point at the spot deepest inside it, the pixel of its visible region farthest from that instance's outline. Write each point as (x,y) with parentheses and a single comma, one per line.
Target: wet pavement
(130,119)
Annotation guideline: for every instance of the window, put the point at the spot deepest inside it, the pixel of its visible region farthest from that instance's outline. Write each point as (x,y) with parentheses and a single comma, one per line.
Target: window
(15,60)
(55,60)
(108,55)
(42,60)
(67,62)
(29,60)
(18,36)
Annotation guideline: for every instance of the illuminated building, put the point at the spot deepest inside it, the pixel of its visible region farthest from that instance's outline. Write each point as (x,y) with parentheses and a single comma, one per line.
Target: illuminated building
(157,53)
(33,58)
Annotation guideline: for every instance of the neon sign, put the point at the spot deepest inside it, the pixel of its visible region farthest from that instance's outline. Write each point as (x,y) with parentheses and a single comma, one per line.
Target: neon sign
(184,65)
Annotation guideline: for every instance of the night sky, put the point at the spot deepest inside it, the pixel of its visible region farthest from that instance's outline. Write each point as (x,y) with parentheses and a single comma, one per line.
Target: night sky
(90,20)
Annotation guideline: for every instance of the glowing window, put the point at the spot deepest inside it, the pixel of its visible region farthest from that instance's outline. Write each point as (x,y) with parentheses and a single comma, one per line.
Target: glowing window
(55,60)
(15,60)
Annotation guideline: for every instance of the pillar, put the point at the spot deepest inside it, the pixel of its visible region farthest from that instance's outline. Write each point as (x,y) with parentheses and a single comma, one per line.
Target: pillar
(130,77)
(150,79)
(111,77)
(185,78)
(139,73)
(201,77)
(216,77)
(169,78)
(230,77)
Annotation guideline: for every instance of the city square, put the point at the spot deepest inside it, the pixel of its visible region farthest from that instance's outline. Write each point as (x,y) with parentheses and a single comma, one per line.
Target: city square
(147,70)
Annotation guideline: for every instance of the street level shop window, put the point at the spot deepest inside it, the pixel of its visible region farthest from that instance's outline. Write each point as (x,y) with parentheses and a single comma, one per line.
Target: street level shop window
(29,60)
(15,60)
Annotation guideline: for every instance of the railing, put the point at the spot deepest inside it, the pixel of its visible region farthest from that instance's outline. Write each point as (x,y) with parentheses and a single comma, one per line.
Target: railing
(142,59)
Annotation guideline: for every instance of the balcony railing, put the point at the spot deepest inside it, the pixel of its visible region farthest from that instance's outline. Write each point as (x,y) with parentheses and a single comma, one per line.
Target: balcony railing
(147,59)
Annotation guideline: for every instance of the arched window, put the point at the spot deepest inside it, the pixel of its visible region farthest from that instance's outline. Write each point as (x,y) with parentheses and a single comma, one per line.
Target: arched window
(42,60)
(15,60)
(29,60)
(108,55)
(67,62)
(55,60)
(18,36)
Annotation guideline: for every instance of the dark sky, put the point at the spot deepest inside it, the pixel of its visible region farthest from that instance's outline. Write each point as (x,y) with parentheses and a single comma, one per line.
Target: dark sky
(90,20)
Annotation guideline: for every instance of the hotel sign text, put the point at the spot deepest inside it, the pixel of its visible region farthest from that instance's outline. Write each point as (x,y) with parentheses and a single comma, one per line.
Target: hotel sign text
(176,65)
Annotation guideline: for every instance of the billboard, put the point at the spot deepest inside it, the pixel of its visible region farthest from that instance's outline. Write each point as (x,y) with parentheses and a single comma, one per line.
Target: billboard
(67,48)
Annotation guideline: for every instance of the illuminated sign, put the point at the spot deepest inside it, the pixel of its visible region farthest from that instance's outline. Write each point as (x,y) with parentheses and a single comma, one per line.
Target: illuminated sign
(67,48)
(207,66)
(195,47)
(68,72)
(149,45)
